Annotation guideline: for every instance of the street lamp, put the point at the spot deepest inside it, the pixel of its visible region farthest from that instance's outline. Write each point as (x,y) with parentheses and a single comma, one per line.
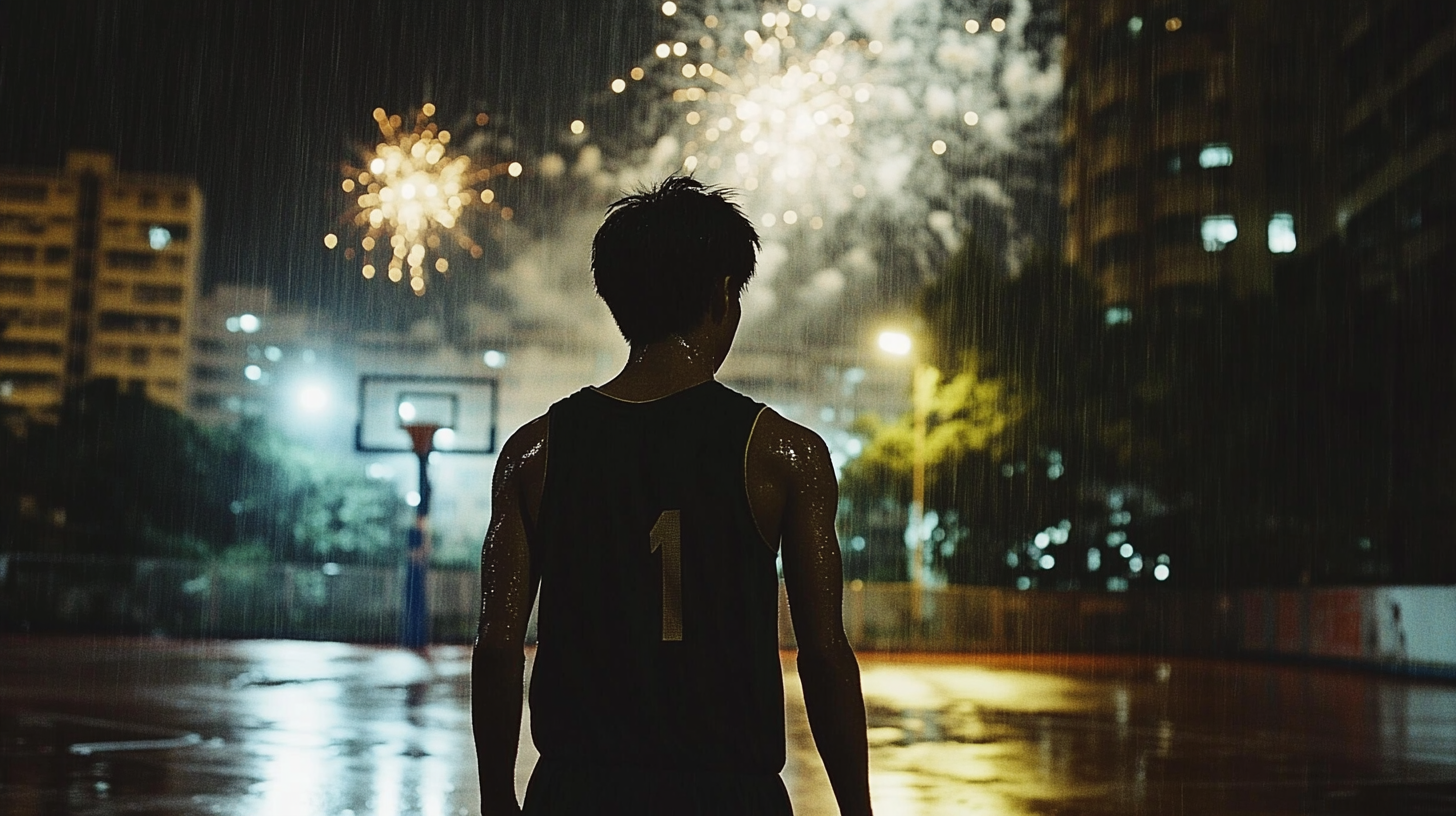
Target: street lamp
(922,392)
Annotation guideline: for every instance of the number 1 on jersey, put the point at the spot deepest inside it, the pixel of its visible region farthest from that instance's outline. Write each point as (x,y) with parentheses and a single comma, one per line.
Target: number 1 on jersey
(667,536)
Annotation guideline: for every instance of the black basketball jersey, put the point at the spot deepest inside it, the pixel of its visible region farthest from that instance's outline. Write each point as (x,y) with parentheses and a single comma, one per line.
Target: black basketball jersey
(657,636)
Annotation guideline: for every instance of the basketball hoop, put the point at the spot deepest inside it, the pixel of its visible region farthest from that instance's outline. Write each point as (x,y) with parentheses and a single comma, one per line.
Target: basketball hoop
(422,437)
(407,413)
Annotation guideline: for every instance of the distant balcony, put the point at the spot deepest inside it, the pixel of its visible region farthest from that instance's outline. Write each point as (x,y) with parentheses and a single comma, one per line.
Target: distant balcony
(1185,265)
(30,363)
(1184,127)
(1115,150)
(1115,216)
(1119,283)
(1190,52)
(1113,84)
(1179,196)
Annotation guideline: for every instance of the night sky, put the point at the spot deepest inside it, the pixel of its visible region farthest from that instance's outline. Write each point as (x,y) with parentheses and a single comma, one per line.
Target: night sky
(262,101)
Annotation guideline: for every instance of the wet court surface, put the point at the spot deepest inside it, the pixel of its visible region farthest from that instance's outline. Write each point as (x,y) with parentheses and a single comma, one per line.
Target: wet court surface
(268,727)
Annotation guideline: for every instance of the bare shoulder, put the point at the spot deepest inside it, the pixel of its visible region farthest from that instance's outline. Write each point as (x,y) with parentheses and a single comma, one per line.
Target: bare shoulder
(787,464)
(521,465)
(786,446)
(526,446)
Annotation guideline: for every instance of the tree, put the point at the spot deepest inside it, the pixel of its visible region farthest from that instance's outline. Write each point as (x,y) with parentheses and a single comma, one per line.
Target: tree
(1027,345)
(120,475)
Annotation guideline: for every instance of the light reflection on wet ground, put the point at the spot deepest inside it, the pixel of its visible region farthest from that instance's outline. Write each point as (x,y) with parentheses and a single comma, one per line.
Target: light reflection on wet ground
(321,728)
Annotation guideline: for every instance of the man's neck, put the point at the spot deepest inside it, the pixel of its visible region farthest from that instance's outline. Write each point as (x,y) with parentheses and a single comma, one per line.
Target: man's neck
(658,369)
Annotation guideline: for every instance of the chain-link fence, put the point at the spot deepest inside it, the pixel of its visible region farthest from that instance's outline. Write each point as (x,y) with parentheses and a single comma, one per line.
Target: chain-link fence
(41,593)
(175,598)
(1402,628)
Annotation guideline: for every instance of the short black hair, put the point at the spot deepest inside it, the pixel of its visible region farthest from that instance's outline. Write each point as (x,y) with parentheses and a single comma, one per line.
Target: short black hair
(659,255)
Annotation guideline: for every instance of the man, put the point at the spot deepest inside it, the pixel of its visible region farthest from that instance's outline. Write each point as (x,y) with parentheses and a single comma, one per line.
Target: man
(649,512)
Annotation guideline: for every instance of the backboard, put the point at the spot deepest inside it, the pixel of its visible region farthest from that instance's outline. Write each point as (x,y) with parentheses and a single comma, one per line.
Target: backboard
(464,408)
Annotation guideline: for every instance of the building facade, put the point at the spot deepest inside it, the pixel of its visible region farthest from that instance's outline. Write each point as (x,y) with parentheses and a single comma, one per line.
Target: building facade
(98,276)
(1396,251)
(245,347)
(1193,142)
(1397,72)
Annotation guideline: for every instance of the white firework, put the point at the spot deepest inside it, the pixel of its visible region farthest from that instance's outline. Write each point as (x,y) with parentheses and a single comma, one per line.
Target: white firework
(843,121)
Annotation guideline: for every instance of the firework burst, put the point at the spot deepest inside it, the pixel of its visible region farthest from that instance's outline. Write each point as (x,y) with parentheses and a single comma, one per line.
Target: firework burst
(411,196)
(767,104)
(835,117)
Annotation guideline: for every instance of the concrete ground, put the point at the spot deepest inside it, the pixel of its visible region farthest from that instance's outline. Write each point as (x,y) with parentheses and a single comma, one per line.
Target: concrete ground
(100,726)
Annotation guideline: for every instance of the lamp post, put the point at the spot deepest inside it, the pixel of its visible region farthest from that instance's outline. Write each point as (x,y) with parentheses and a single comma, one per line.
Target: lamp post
(922,391)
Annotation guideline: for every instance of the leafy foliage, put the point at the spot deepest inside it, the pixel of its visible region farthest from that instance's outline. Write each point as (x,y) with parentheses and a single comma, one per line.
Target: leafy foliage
(1280,439)
(120,475)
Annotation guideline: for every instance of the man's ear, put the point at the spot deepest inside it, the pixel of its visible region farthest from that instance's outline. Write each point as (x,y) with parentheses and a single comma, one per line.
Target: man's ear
(719,308)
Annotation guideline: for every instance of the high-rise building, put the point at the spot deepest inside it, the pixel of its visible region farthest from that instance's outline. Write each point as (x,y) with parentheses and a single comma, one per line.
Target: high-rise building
(244,346)
(1396,137)
(1191,142)
(1397,144)
(98,271)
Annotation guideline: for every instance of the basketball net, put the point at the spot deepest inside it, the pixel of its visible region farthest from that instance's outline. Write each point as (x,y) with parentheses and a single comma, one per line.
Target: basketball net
(422,436)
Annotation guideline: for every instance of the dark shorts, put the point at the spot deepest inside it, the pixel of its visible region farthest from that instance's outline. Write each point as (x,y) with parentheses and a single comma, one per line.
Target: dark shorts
(572,789)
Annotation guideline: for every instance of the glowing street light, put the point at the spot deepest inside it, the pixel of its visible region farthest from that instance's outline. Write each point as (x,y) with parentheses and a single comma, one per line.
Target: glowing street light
(922,391)
(313,398)
(895,342)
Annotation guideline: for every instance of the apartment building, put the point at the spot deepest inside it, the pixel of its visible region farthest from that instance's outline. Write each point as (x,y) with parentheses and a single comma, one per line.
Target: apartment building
(1397,139)
(1193,142)
(98,275)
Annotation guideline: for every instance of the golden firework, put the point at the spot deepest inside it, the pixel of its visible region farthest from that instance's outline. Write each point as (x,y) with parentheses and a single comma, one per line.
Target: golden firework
(411,195)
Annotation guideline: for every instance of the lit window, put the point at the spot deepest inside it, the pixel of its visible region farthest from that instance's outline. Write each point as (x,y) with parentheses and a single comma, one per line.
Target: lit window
(1218,232)
(159,237)
(1215,154)
(1134,25)
(1117,315)
(249,323)
(1281,233)
(253,373)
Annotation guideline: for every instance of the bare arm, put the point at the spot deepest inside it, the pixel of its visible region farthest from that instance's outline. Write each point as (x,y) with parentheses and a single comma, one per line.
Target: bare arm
(815,582)
(508,588)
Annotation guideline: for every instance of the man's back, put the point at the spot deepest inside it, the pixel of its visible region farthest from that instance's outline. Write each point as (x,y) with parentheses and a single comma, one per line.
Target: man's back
(646,512)
(657,634)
